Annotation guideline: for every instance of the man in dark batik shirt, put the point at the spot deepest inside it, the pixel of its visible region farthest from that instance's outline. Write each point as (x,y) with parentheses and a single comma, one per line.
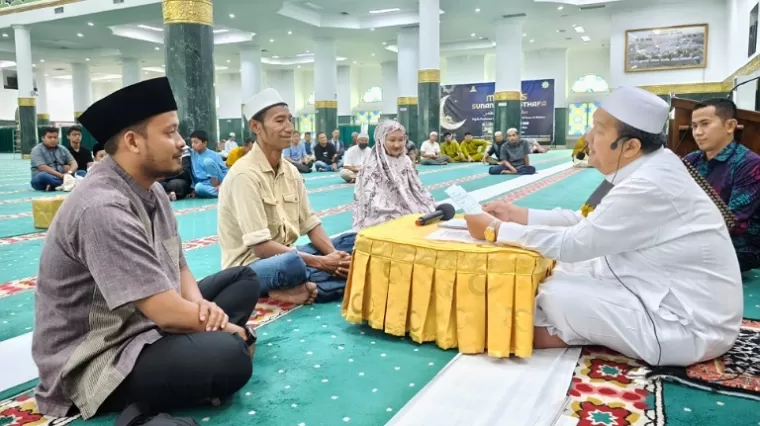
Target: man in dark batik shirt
(732,170)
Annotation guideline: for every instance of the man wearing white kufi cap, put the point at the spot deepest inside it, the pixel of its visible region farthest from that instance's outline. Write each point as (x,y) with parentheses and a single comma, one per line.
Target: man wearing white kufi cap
(650,271)
(263,209)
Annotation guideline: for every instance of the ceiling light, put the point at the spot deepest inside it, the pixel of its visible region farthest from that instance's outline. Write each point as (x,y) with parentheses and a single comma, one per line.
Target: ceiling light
(531,40)
(298,66)
(34,65)
(92,24)
(385,43)
(228,61)
(80,35)
(379,11)
(5,35)
(221,30)
(42,60)
(481,38)
(146,73)
(477,10)
(305,54)
(579,30)
(275,57)
(525,34)
(354,62)
(47,75)
(373,54)
(290,32)
(219,68)
(271,40)
(148,27)
(472,35)
(232,15)
(87,59)
(372,29)
(585,38)
(157,48)
(560,7)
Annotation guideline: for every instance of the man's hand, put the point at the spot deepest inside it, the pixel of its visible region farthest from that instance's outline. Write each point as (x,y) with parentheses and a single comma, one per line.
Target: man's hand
(334,167)
(335,263)
(477,224)
(507,212)
(240,331)
(213,316)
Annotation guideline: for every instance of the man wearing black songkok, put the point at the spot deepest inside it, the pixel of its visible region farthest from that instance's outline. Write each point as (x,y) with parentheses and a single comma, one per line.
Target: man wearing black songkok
(119,316)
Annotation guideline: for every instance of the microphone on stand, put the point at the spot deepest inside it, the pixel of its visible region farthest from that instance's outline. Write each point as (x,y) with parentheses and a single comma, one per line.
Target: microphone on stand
(441,212)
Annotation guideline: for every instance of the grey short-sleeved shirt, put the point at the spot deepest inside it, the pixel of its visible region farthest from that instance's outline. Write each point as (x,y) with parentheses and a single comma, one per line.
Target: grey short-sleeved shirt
(99,258)
(55,158)
(515,153)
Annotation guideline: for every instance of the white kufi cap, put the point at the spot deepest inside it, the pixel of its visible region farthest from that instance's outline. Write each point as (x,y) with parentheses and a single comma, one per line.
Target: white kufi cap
(261,101)
(637,108)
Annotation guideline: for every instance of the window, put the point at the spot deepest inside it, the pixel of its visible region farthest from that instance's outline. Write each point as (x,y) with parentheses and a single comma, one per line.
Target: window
(581,118)
(590,84)
(310,101)
(373,94)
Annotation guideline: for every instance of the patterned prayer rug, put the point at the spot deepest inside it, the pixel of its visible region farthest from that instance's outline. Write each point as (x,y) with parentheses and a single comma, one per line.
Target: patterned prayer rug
(736,373)
(605,392)
(21,410)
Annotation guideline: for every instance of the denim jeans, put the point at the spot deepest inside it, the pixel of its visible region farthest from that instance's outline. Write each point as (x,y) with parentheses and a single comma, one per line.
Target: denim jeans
(45,180)
(288,270)
(521,170)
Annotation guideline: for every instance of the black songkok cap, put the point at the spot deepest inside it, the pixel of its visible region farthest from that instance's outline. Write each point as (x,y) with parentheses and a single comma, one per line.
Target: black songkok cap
(109,116)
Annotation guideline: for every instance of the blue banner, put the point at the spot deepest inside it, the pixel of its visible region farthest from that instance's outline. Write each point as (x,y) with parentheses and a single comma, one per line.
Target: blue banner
(467,108)
(537,110)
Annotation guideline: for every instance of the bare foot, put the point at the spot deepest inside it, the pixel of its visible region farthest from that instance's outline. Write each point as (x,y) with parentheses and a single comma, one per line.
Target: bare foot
(298,295)
(312,288)
(48,188)
(172,196)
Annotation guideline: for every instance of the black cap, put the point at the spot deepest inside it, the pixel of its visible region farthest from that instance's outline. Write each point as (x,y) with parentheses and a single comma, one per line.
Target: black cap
(128,106)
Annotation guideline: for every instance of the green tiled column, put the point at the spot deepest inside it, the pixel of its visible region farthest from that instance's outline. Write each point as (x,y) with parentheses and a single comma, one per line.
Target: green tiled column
(407,116)
(189,45)
(43,119)
(506,112)
(326,116)
(428,102)
(560,127)
(27,124)
(232,125)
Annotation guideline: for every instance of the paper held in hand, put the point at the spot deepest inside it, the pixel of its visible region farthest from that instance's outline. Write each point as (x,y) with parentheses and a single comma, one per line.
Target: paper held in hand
(464,200)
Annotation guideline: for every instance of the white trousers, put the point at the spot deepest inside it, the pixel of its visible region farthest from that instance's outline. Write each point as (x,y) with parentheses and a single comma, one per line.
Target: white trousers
(347,175)
(582,310)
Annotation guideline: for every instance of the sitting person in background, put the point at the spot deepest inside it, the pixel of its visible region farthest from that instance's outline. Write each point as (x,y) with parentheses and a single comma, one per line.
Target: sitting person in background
(580,153)
(239,152)
(264,208)
(535,147)
(51,161)
(453,150)
(430,152)
(309,144)
(514,159)
(180,185)
(119,316)
(412,152)
(325,154)
(354,158)
(296,154)
(650,271)
(340,150)
(387,186)
(226,146)
(732,170)
(495,149)
(82,155)
(209,169)
(474,149)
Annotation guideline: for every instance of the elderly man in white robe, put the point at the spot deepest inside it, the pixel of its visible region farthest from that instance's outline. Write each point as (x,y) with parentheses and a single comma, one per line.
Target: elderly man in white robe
(650,272)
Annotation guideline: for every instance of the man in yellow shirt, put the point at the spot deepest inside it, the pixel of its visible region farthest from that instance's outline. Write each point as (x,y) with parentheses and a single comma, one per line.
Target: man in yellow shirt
(264,208)
(451,148)
(239,152)
(474,148)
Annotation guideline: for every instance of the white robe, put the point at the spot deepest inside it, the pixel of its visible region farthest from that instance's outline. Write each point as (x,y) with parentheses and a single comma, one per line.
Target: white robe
(666,241)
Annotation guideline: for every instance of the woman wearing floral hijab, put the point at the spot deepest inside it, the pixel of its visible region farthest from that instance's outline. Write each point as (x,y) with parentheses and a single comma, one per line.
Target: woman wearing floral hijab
(387,186)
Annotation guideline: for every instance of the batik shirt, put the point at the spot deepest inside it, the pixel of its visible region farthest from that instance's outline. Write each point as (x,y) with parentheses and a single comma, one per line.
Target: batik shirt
(735,175)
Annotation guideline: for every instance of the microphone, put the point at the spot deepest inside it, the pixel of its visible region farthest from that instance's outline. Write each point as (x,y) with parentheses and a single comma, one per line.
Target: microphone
(441,212)
(581,155)
(731,92)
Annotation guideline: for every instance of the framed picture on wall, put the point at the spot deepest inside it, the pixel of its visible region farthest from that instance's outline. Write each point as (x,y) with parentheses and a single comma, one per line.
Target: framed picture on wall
(666,49)
(752,31)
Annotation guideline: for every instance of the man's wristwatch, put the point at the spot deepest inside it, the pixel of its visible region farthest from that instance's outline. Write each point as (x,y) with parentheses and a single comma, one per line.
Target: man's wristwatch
(250,335)
(490,232)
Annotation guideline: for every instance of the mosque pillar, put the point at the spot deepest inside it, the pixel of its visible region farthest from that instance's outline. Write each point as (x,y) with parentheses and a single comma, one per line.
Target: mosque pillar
(325,86)
(130,71)
(82,86)
(27,115)
(408,61)
(43,113)
(189,58)
(429,74)
(250,79)
(343,91)
(389,78)
(507,98)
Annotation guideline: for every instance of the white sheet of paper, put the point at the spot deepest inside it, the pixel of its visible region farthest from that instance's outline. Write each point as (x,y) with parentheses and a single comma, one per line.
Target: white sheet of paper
(453,224)
(459,235)
(464,200)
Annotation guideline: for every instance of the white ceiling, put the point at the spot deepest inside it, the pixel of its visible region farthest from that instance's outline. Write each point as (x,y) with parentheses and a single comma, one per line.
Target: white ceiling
(546,26)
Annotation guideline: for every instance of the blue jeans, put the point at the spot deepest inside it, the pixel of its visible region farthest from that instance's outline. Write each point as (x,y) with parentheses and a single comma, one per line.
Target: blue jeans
(521,170)
(204,188)
(45,180)
(288,270)
(321,166)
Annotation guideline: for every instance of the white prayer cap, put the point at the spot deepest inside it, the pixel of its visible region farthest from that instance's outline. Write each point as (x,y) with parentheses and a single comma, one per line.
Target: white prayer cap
(232,134)
(637,108)
(433,133)
(362,135)
(261,101)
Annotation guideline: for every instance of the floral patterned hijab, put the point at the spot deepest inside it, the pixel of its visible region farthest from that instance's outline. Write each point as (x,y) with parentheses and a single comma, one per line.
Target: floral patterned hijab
(388,187)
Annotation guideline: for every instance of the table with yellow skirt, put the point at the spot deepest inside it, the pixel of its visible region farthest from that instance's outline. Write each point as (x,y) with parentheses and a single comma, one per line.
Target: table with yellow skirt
(476,297)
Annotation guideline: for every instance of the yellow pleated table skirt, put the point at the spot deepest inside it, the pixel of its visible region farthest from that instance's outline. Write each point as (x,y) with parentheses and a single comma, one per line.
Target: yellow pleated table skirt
(474,297)
(44,210)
